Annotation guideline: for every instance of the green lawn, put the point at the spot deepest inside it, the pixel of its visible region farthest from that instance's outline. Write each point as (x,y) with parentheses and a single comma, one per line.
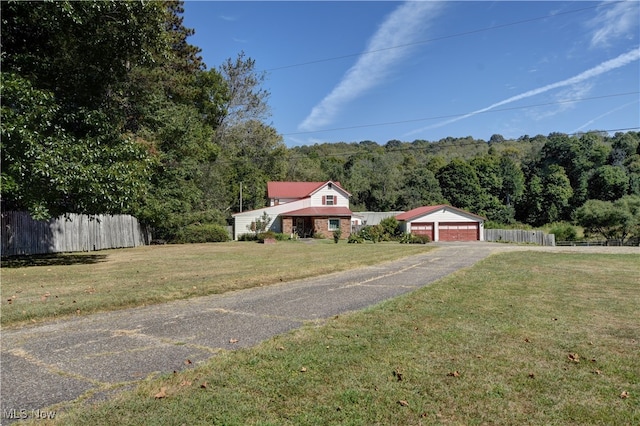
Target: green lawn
(46,287)
(521,338)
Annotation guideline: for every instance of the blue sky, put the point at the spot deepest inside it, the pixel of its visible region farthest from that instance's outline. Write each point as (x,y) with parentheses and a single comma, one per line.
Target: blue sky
(355,71)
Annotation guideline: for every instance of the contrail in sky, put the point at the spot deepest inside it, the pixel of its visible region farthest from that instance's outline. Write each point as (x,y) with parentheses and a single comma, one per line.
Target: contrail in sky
(593,120)
(604,67)
(401,27)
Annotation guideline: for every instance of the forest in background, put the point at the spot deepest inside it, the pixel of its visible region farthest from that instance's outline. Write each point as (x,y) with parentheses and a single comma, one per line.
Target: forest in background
(106,108)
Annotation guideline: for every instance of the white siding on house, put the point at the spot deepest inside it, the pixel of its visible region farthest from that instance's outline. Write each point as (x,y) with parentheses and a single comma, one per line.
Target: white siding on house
(340,198)
(445,215)
(243,220)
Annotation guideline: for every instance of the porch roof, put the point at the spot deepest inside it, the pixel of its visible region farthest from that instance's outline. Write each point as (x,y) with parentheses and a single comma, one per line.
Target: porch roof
(320,211)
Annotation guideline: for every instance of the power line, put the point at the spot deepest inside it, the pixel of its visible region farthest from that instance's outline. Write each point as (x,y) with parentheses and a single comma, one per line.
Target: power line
(495,27)
(441,117)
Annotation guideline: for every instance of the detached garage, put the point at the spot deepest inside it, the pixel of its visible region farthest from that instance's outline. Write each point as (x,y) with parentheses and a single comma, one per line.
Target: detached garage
(443,223)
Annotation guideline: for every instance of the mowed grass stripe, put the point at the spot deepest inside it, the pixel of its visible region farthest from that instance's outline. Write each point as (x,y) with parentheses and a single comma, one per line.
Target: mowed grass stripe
(42,288)
(521,338)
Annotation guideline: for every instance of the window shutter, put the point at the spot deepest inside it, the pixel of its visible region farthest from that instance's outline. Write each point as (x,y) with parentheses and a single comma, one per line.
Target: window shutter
(324,200)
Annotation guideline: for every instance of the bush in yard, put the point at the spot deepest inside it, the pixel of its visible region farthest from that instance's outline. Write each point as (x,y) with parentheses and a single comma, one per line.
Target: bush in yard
(266,235)
(197,233)
(372,233)
(390,228)
(336,235)
(564,231)
(415,239)
(355,239)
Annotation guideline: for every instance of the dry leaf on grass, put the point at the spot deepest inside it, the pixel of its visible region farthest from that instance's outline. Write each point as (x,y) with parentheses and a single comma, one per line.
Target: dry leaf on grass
(185,383)
(624,395)
(203,385)
(161,394)
(574,357)
(454,374)
(303,369)
(233,341)
(403,403)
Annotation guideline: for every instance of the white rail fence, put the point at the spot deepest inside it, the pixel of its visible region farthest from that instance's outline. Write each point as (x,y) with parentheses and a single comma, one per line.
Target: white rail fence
(22,235)
(520,236)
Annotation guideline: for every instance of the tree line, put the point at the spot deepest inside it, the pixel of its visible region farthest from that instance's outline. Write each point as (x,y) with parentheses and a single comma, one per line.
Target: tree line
(107,108)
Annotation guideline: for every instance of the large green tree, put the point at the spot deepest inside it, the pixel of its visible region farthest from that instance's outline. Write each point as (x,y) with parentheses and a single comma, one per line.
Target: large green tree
(573,155)
(49,169)
(547,197)
(608,183)
(461,186)
(63,149)
(617,220)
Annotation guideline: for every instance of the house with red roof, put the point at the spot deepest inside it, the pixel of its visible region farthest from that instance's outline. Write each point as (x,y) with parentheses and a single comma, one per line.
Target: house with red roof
(443,223)
(303,209)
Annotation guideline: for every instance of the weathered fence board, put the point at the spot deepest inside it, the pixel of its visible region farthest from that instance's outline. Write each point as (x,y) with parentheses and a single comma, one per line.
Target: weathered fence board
(520,236)
(21,235)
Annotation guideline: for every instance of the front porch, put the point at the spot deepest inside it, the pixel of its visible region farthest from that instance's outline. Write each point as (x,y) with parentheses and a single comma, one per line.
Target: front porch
(309,226)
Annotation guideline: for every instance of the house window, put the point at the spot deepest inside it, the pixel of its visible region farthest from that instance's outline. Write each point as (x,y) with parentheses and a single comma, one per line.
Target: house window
(330,200)
(334,224)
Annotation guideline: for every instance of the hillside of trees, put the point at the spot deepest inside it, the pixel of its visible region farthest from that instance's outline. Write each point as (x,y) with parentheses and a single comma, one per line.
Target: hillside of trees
(106,108)
(535,181)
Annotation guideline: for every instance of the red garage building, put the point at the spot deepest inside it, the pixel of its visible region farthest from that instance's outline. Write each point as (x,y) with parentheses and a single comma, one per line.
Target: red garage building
(443,223)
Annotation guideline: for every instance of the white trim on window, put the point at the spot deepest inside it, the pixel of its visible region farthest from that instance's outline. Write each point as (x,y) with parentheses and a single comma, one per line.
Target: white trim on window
(330,200)
(334,224)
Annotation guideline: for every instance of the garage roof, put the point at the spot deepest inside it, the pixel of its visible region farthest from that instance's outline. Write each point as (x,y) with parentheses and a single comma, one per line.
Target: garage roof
(425,210)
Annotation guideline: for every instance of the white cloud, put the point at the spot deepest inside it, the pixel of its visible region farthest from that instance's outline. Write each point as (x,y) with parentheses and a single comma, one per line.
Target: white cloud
(614,22)
(401,27)
(604,67)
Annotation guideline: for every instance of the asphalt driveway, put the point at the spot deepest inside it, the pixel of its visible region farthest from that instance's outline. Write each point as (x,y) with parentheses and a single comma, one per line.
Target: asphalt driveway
(45,366)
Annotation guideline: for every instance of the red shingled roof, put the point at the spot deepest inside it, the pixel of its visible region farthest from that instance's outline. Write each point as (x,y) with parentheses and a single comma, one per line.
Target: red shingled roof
(421,211)
(295,189)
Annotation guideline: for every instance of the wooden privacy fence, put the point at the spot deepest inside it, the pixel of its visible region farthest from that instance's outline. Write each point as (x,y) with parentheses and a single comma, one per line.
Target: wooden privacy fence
(22,235)
(520,236)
